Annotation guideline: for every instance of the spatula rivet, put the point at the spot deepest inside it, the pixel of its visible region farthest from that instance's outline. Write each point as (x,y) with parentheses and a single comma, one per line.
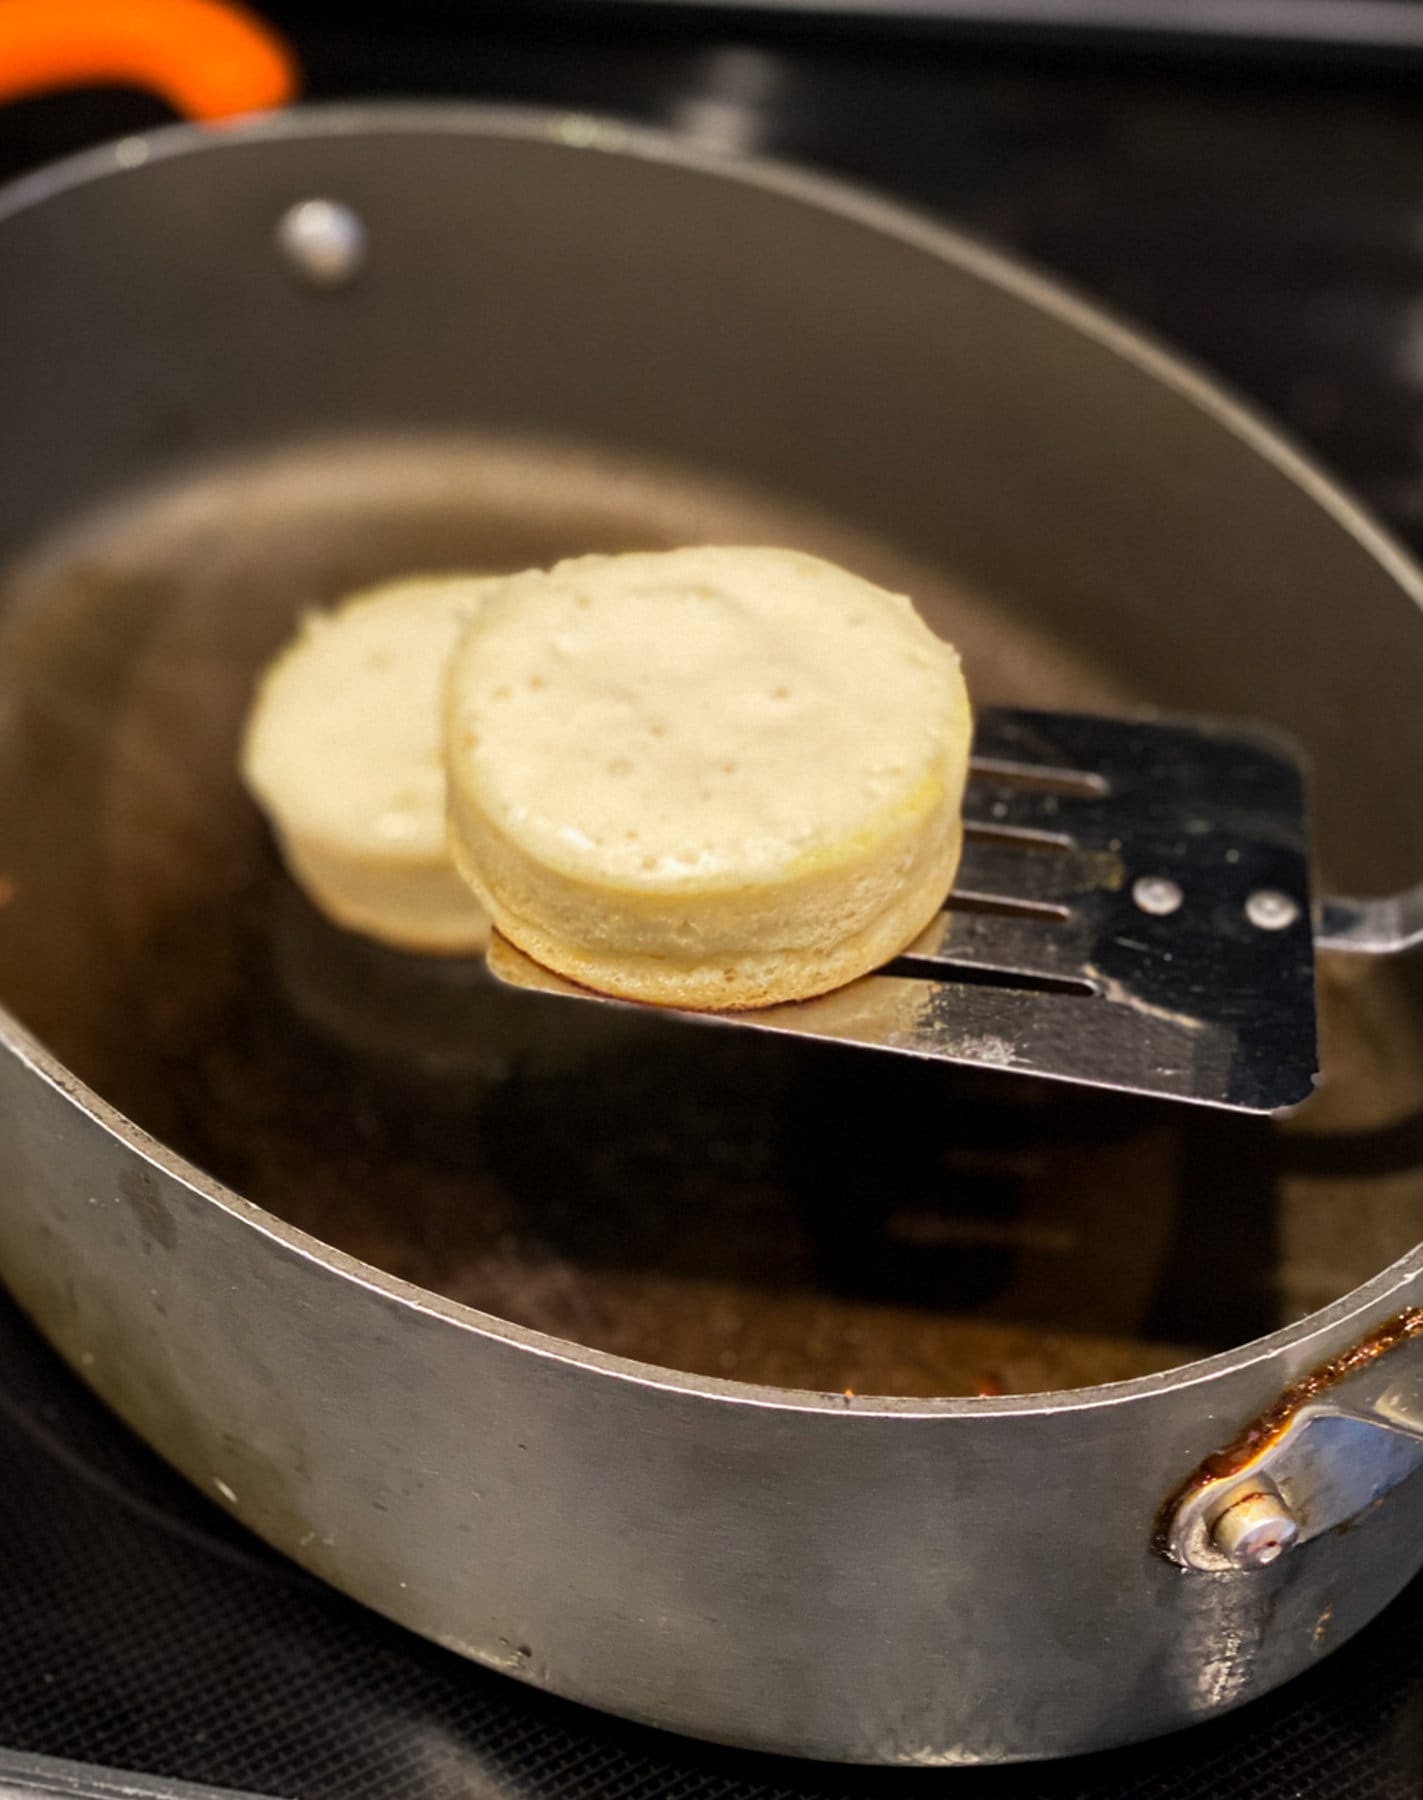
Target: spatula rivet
(1270,910)
(1157,894)
(323,242)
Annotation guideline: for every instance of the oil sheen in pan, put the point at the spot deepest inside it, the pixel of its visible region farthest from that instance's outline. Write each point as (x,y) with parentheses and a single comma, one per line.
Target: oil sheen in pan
(709,1201)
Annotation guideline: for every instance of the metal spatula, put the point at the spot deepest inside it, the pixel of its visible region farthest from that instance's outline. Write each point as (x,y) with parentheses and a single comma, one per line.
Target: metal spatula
(1132,911)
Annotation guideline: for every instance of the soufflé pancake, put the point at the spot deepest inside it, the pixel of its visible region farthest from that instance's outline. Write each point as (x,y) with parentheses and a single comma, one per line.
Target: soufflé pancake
(343,752)
(713,778)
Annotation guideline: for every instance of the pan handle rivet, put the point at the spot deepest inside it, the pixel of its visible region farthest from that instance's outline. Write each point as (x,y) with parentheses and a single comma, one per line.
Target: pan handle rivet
(324,242)
(1253,1524)
(1157,894)
(1270,910)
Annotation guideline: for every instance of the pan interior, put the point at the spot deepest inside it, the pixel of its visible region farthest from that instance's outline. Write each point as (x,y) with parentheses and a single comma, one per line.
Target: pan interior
(709,1201)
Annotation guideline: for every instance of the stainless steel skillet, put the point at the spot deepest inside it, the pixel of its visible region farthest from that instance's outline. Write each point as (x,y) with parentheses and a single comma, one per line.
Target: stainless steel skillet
(208,443)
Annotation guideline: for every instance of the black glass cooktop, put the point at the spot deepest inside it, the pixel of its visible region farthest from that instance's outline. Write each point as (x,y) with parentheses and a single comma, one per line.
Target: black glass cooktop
(1266,213)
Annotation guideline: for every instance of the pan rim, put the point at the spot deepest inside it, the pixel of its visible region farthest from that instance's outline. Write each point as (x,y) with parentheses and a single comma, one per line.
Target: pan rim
(579,132)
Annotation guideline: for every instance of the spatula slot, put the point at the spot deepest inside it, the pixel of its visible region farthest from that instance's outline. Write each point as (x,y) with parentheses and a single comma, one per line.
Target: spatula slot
(1005,906)
(969,975)
(1080,784)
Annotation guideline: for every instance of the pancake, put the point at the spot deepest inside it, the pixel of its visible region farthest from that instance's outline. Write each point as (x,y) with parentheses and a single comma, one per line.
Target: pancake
(342,750)
(713,778)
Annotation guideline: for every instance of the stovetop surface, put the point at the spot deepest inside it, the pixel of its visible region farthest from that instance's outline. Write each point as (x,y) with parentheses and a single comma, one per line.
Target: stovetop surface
(1266,216)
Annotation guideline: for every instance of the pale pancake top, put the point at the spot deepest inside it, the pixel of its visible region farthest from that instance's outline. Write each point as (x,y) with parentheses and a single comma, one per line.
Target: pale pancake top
(701,719)
(344,743)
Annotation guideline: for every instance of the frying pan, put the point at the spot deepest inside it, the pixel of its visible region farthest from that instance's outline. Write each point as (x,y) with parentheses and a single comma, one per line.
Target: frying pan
(731,1387)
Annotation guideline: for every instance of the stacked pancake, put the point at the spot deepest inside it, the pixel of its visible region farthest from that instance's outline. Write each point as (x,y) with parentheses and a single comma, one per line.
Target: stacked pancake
(712,778)
(343,751)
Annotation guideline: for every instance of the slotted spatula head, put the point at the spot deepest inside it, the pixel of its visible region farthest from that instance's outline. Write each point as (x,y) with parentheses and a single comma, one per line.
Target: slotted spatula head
(1132,911)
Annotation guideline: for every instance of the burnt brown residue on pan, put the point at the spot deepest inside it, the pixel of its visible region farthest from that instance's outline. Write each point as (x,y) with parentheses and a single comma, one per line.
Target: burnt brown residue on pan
(1270,1426)
(687,1197)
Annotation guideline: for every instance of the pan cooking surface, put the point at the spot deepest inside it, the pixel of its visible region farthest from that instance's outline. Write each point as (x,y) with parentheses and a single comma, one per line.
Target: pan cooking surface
(710,1202)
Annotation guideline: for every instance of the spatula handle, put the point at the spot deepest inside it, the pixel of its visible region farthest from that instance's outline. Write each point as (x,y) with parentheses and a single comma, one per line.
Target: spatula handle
(1385,925)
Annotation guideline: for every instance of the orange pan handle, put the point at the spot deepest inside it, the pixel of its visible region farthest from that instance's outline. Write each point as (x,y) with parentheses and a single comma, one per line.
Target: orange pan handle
(208,59)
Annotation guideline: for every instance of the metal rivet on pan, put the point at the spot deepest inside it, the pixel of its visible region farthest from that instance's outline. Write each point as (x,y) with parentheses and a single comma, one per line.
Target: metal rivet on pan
(323,242)
(1253,1524)
(1157,894)
(1271,910)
